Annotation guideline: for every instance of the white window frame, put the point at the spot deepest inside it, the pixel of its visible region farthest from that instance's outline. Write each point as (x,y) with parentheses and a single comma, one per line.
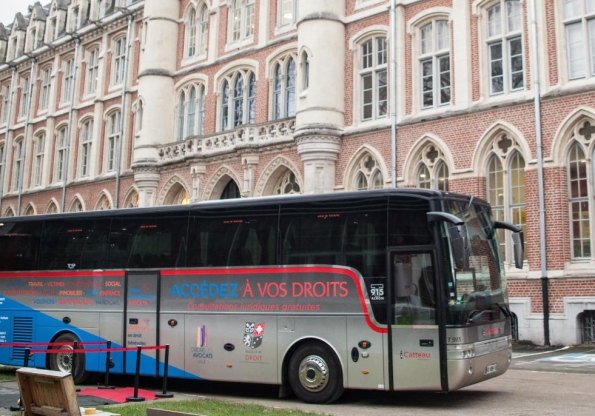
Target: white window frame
(86,148)
(67,79)
(46,88)
(284,88)
(24,107)
(92,70)
(39,156)
(5,103)
(504,33)
(581,201)
(580,50)
(61,145)
(241,21)
(19,159)
(435,64)
(373,66)
(243,100)
(113,135)
(119,61)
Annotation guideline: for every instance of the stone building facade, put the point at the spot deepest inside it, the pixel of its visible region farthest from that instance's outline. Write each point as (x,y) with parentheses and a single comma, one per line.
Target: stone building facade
(123,103)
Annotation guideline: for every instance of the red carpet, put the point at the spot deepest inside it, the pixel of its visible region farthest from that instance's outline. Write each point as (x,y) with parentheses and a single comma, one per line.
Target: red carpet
(118,395)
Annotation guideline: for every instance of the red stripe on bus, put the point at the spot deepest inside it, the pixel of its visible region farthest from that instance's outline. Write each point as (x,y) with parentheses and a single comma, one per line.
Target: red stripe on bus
(62,274)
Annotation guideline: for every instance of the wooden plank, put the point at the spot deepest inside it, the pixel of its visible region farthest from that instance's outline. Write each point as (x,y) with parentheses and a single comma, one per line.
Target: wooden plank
(47,393)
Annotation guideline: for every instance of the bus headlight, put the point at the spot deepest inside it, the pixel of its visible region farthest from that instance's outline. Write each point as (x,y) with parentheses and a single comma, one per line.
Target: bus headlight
(460,352)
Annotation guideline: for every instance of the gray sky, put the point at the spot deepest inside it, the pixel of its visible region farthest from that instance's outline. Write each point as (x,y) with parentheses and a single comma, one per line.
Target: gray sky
(8,8)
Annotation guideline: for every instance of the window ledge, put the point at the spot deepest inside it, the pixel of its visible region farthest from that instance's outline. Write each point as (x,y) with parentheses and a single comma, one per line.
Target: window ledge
(230,47)
(194,59)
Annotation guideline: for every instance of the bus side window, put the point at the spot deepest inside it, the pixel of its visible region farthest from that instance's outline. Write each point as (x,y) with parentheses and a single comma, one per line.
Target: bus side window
(20,245)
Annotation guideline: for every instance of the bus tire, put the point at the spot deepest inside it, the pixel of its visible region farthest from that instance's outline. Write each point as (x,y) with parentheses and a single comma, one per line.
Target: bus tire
(315,374)
(63,362)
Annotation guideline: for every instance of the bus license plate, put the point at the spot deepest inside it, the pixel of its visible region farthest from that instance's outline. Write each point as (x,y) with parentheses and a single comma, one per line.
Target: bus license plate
(490,369)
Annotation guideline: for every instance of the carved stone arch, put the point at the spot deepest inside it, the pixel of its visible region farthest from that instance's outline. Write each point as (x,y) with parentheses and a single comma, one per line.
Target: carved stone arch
(131,198)
(218,181)
(273,172)
(30,209)
(231,70)
(172,189)
(52,207)
(578,125)
(9,212)
(77,204)
(501,139)
(369,31)
(352,168)
(104,201)
(280,55)
(429,149)
(426,15)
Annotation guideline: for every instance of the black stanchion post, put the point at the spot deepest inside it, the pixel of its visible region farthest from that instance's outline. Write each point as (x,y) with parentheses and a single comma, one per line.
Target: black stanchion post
(165,394)
(27,355)
(108,365)
(135,398)
(75,346)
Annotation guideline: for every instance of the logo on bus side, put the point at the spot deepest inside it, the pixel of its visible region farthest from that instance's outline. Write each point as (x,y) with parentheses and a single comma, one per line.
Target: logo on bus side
(253,334)
(202,350)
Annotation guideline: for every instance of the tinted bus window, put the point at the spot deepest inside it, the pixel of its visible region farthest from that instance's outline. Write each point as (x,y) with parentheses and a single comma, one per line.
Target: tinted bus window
(74,244)
(20,245)
(408,222)
(148,241)
(227,238)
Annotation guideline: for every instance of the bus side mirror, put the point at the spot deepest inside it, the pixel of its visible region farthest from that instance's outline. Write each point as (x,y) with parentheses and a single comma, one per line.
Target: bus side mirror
(457,233)
(519,249)
(518,241)
(460,246)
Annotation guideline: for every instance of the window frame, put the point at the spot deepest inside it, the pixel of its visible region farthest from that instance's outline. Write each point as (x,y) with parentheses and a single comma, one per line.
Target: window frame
(242,12)
(61,145)
(92,70)
(39,150)
(433,52)
(238,98)
(369,68)
(119,61)
(46,88)
(112,137)
(86,148)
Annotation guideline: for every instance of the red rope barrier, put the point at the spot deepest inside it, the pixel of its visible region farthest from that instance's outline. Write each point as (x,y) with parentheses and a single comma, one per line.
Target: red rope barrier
(49,344)
(82,351)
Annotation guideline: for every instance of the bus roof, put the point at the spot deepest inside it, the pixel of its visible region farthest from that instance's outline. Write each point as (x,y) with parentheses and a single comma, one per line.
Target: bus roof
(250,202)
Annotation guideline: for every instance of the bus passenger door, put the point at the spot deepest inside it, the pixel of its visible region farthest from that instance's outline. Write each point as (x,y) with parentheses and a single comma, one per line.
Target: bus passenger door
(415,341)
(141,319)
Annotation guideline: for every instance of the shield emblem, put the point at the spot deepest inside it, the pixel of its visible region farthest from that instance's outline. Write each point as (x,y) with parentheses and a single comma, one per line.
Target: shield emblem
(253,334)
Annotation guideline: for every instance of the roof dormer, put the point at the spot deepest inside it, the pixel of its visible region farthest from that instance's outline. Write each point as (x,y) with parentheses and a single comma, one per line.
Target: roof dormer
(3,43)
(16,40)
(37,19)
(56,24)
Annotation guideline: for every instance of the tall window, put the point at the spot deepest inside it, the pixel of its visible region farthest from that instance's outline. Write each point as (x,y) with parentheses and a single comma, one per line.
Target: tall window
(5,102)
(68,77)
(19,158)
(238,103)
(2,162)
(181,115)
(201,109)
(435,64)
(39,152)
(505,47)
(191,122)
(61,144)
(119,61)
(579,22)
(373,71)
(23,110)
(284,89)
(92,70)
(44,100)
(578,201)
(287,12)
(196,23)
(113,136)
(506,192)
(242,20)
(86,147)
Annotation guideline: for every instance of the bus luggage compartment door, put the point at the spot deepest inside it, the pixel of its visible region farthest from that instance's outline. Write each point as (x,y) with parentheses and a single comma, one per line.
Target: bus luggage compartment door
(141,320)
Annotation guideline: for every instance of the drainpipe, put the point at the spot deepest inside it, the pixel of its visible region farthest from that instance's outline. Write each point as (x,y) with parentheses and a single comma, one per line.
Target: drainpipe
(120,136)
(26,139)
(8,118)
(393,95)
(77,42)
(541,192)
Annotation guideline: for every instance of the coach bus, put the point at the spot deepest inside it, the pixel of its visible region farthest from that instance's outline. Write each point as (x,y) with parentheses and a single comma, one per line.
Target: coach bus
(394,289)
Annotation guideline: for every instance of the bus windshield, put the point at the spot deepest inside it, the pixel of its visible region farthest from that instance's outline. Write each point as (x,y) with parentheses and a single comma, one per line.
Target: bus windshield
(477,294)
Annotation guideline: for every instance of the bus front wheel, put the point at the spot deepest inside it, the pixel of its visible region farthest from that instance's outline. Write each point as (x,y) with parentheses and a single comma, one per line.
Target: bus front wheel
(315,374)
(66,360)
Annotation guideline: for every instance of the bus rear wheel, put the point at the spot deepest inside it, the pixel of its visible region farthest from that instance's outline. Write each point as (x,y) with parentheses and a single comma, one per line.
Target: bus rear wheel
(65,361)
(315,374)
